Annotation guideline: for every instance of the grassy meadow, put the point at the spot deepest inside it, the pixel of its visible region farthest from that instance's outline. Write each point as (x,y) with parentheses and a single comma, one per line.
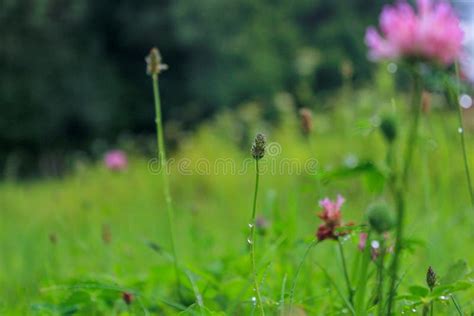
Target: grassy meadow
(77,244)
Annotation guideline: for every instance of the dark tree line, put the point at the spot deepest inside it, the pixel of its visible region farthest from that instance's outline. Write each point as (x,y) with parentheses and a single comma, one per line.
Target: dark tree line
(73,71)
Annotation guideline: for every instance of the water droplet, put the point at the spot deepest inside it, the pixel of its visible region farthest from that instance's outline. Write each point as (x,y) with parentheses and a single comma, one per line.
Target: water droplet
(375,244)
(392,68)
(250,225)
(413,310)
(249,240)
(443,298)
(254,300)
(465,101)
(460,130)
(344,239)
(351,161)
(375,120)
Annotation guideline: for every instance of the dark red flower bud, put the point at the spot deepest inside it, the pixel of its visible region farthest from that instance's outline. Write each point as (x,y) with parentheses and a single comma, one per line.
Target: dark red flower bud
(127,298)
(306,117)
(106,234)
(53,238)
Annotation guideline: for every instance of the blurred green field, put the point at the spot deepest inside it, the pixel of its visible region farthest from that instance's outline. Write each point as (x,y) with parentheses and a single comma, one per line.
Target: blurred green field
(52,231)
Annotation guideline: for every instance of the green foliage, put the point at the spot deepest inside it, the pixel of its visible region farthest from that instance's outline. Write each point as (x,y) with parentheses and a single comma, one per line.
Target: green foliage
(83,274)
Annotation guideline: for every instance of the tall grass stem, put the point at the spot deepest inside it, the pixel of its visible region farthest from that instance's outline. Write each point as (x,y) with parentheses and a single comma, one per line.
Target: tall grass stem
(401,186)
(252,240)
(461,135)
(166,186)
(381,278)
(298,269)
(350,290)
(362,279)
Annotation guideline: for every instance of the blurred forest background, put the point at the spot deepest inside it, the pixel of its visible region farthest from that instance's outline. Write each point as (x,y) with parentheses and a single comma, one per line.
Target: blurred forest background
(73,75)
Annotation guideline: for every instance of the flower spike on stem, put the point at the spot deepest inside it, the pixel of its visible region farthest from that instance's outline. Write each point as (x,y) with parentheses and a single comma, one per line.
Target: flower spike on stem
(258,152)
(154,68)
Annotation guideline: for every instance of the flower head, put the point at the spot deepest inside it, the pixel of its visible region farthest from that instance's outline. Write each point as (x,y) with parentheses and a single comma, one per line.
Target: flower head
(262,224)
(375,250)
(380,218)
(362,241)
(306,116)
(127,297)
(258,146)
(331,212)
(116,160)
(432,32)
(106,234)
(153,62)
(331,215)
(431,278)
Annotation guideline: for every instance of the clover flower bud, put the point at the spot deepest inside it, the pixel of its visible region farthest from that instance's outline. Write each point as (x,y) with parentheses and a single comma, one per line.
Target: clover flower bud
(380,218)
(262,224)
(388,127)
(53,238)
(106,234)
(426,102)
(306,117)
(127,297)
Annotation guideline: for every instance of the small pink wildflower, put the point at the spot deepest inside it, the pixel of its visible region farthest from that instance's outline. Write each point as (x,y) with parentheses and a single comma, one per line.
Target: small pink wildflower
(374,246)
(331,210)
(116,160)
(331,215)
(362,241)
(433,32)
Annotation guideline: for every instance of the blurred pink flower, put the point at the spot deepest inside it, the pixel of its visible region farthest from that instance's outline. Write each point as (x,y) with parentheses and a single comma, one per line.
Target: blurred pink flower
(331,215)
(374,246)
(362,241)
(331,210)
(433,32)
(116,160)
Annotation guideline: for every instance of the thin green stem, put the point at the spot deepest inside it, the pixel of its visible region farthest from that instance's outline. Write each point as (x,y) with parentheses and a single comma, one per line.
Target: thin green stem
(381,278)
(431,307)
(413,136)
(339,292)
(425,310)
(298,269)
(252,240)
(363,278)
(282,297)
(401,188)
(163,169)
(319,184)
(456,304)
(350,290)
(461,133)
